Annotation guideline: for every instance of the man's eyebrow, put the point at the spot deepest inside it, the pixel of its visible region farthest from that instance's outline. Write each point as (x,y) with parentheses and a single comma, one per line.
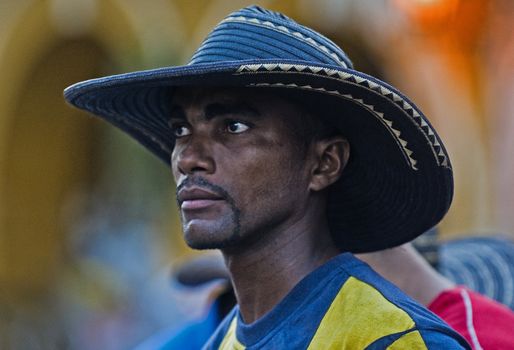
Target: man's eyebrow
(219,109)
(216,109)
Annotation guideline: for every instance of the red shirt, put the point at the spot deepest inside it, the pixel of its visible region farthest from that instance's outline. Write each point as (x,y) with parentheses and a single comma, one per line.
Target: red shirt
(485,323)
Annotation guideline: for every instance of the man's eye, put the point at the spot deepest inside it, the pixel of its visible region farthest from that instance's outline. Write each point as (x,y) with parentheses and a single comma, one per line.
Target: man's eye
(235,127)
(180,131)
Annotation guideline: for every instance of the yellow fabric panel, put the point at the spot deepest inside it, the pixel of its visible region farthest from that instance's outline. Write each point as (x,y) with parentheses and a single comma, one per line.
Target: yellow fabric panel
(412,340)
(230,341)
(357,317)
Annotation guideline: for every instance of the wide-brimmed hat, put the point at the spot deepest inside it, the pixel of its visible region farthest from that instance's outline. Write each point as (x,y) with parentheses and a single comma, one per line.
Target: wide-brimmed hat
(484,264)
(398,182)
(200,270)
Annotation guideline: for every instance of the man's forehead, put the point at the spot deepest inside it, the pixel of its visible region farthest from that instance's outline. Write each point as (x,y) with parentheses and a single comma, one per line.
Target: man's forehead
(200,95)
(260,98)
(211,102)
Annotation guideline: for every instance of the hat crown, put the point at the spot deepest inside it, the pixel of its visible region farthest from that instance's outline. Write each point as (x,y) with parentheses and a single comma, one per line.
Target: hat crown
(256,33)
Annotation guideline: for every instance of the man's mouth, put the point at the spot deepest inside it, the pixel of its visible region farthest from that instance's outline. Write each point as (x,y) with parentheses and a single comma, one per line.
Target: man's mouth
(194,198)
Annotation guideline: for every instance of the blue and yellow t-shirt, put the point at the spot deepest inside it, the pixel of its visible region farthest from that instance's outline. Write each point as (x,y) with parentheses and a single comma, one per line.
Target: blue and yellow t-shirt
(343,304)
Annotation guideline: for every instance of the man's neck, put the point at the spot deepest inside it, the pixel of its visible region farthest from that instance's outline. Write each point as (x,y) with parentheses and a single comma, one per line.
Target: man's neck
(266,271)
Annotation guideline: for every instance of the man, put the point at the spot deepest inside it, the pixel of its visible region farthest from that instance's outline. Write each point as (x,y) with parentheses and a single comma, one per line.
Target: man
(483,263)
(253,130)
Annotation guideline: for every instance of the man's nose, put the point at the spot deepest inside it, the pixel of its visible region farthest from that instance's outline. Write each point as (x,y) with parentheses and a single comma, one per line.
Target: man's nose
(196,156)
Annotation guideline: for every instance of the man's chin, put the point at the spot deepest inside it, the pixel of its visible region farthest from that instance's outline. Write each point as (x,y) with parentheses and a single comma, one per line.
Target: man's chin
(210,240)
(206,245)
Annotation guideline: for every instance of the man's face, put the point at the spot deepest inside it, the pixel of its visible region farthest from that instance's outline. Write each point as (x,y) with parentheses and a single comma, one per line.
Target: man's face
(238,165)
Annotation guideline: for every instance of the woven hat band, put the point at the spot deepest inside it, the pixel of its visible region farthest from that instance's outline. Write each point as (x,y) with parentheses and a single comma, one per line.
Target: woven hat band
(244,36)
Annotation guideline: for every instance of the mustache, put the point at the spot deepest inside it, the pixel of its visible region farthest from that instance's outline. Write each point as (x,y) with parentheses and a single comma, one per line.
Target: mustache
(203,183)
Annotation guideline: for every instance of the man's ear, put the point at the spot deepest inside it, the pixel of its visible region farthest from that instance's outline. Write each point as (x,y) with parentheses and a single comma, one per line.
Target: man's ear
(330,158)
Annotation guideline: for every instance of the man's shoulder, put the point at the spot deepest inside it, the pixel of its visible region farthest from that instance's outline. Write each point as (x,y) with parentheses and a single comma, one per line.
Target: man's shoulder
(371,310)
(363,314)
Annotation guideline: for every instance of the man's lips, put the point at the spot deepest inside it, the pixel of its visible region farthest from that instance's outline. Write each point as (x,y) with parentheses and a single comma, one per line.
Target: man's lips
(196,198)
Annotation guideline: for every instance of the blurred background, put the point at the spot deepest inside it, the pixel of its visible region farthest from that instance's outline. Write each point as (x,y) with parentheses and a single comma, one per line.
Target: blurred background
(88,225)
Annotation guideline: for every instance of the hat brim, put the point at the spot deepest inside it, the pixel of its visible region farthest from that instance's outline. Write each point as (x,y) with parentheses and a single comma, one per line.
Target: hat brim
(398,182)
(201,270)
(484,264)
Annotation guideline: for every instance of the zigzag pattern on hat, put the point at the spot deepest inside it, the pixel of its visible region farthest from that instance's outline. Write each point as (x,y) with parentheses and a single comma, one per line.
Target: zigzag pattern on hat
(285,30)
(380,116)
(405,107)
